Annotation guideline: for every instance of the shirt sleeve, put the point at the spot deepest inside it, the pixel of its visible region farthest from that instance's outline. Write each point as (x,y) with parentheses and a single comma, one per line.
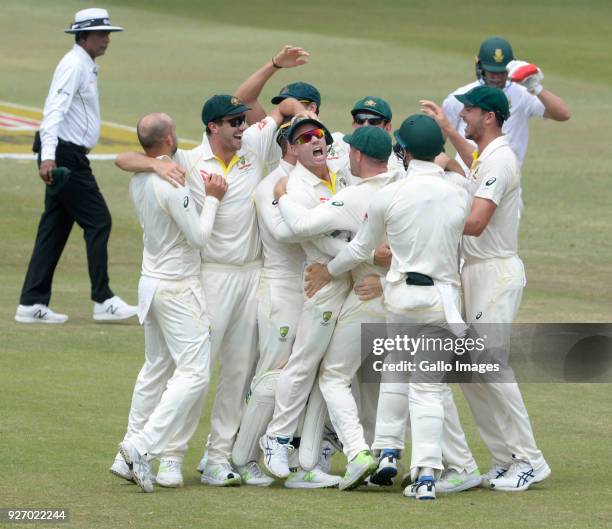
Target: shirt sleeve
(260,138)
(494,182)
(535,107)
(64,85)
(371,233)
(324,218)
(181,207)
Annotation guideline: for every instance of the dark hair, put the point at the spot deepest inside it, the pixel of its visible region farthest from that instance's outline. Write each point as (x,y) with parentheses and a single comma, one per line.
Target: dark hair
(500,120)
(217,122)
(80,35)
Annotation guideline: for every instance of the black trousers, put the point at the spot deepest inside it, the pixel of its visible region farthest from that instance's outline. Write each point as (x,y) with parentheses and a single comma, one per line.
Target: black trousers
(80,200)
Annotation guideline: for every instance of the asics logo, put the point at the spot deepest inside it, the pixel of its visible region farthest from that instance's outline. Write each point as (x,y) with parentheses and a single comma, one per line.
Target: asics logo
(524,477)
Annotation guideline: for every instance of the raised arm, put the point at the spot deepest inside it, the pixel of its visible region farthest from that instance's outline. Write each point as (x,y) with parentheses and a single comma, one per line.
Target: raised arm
(249,91)
(136,162)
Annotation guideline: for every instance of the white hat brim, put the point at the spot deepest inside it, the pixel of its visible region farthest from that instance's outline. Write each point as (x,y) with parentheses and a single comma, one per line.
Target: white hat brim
(95,28)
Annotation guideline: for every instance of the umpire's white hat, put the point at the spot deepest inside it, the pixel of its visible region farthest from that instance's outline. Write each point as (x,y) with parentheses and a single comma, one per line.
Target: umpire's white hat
(92,19)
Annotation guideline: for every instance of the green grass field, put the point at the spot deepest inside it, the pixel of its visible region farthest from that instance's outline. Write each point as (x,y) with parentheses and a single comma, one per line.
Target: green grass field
(65,392)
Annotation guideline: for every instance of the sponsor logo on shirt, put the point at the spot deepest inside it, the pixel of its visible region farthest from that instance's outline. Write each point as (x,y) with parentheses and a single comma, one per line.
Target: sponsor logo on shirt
(262,124)
(479,315)
(490,181)
(322,200)
(337,203)
(243,164)
(186,202)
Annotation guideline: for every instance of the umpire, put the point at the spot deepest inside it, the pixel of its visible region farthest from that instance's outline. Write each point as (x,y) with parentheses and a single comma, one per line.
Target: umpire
(70,128)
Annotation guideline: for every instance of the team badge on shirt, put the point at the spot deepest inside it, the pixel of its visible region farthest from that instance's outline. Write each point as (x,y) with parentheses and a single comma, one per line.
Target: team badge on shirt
(283,331)
(326,317)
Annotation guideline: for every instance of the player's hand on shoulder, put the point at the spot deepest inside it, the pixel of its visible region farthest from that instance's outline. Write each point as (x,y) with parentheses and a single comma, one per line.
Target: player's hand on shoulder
(170,171)
(46,171)
(280,187)
(215,185)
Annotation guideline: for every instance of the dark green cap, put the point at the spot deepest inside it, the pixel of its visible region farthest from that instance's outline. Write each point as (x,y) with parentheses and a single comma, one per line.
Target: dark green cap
(298,121)
(494,54)
(488,98)
(219,106)
(373,104)
(421,136)
(301,91)
(371,141)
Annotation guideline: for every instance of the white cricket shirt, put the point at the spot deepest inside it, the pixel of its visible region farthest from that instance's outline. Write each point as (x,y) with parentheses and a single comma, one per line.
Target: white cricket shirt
(280,258)
(72,109)
(422,218)
(173,232)
(346,211)
(499,176)
(523,106)
(235,238)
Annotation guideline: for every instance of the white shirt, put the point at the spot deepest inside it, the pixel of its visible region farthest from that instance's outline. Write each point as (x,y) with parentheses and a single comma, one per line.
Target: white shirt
(422,217)
(523,106)
(307,189)
(173,232)
(235,237)
(280,258)
(499,176)
(72,109)
(345,212)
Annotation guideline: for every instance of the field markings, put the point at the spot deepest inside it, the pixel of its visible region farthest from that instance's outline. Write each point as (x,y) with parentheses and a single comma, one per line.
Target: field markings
(18,124)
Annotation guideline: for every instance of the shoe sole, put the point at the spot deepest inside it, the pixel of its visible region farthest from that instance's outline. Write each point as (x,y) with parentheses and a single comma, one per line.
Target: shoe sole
(359,479)
(234,482)
(265,484)
(384,477)
(22,319)
(109,317)
(307,485)
(169,484)
(130,464)
(262,445)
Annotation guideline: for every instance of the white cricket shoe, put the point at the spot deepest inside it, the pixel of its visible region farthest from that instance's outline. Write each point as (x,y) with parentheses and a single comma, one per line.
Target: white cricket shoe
(358,470)
(220,475)
(311,479)
(113,309)
(453,481)
(520,476)
(276,455)
(169,473)
(423,488)
(327,451)
(38,313)
(120,469)
(495,472)
(251,474)
(138,465)
(387,469)
(203,462)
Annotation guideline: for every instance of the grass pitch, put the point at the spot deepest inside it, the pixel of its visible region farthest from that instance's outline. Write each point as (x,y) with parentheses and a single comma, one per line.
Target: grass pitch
(65,391)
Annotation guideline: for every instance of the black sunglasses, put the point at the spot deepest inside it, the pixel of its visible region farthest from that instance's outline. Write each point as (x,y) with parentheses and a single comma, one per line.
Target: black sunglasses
(374,121)
(235,122)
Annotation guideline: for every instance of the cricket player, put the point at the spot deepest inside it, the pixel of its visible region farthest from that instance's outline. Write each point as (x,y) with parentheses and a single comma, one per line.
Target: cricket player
(231,259)
(493,279)
(369,152)
(497,67)
(169,391)
(422,217)
(311,183)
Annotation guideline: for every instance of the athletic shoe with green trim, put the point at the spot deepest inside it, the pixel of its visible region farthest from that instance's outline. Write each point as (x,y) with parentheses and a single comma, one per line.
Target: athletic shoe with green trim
(138,465)
(169,473)
(251,474)
(311,479)
(220,475)
(453,481)
(358,469)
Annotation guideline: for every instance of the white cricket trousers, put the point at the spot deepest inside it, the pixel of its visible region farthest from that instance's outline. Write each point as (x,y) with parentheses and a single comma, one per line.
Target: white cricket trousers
(421,399)
(493,289)
(314,332)
(172,384)
(231,296)
(339,367)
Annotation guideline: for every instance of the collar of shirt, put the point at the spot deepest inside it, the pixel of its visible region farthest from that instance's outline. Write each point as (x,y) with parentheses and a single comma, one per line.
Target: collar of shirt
(286,166)
(497,143)
(208,154)
(417,168)
(313,179)
(386,178)
(85,58)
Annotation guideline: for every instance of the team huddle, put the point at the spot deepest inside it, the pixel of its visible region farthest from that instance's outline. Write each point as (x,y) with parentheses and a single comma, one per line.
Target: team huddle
(272,242)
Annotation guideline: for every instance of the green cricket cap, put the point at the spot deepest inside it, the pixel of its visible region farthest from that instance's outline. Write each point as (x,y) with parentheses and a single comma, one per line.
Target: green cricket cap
(495,53)
(301,91)
(219,106)
(299,121)
(488,98)
(373,104)
(421,136)
(371,141)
